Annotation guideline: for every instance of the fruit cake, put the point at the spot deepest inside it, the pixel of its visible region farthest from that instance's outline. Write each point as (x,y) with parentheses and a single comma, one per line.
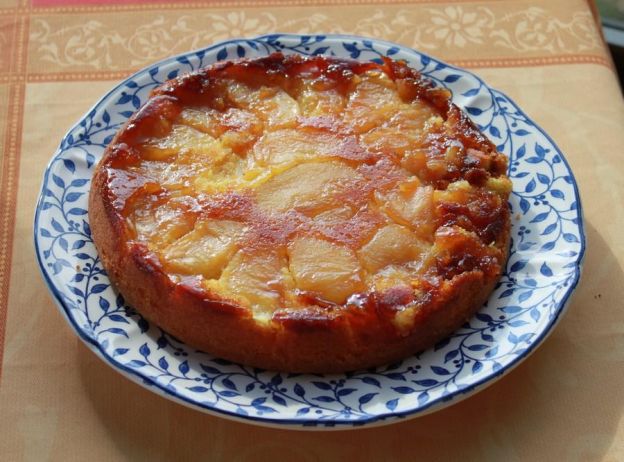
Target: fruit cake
(302,214)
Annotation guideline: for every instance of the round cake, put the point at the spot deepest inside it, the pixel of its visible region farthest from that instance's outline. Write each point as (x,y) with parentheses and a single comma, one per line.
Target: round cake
(302,214)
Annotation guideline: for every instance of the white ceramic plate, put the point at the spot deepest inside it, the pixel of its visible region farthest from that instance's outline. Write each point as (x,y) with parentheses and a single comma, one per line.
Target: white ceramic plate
(543,269)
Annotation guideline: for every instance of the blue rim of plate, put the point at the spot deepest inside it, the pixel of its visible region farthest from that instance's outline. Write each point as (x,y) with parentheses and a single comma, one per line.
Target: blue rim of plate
(354,47)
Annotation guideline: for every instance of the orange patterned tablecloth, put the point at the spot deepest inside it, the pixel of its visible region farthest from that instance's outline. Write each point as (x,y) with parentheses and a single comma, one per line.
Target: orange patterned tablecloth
(59,402)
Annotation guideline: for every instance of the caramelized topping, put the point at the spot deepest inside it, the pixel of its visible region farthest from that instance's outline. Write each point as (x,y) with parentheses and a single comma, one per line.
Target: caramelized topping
(291,183)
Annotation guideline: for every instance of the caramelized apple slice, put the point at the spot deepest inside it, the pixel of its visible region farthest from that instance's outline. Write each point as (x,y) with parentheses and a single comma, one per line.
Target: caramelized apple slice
(306,186)
(281,146)
(272,104)
(315,103)
(372,103)
(402,133)
(205,120)
(186,141)
(334,216)
(159,224)
(410,204)
(236,129)
(205,250)
(330,270)
(390,277)
(412,118)
(242,129)
(259,277)
(392,245)
(283,110)
(307,143)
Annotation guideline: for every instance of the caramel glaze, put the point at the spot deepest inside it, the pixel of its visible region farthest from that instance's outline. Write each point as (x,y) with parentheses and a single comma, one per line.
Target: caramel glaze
(458,217)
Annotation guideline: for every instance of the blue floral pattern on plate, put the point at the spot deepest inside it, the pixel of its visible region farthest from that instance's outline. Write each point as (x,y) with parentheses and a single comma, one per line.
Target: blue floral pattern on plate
(544,265)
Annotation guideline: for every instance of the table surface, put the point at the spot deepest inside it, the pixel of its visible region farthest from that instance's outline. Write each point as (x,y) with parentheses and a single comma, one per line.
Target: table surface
(59,402)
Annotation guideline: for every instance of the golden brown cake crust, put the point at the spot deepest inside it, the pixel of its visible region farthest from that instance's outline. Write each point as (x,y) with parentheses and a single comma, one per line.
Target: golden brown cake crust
(388,306)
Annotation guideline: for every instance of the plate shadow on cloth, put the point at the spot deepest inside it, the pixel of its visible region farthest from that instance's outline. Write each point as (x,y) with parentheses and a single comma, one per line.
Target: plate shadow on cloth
(564,402)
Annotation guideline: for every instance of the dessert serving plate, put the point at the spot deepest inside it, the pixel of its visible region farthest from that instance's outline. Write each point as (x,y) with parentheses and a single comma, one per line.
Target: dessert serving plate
(543,268)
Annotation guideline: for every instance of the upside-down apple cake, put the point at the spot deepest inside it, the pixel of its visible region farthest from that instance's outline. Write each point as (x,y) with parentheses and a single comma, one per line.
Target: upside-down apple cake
(304,214)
